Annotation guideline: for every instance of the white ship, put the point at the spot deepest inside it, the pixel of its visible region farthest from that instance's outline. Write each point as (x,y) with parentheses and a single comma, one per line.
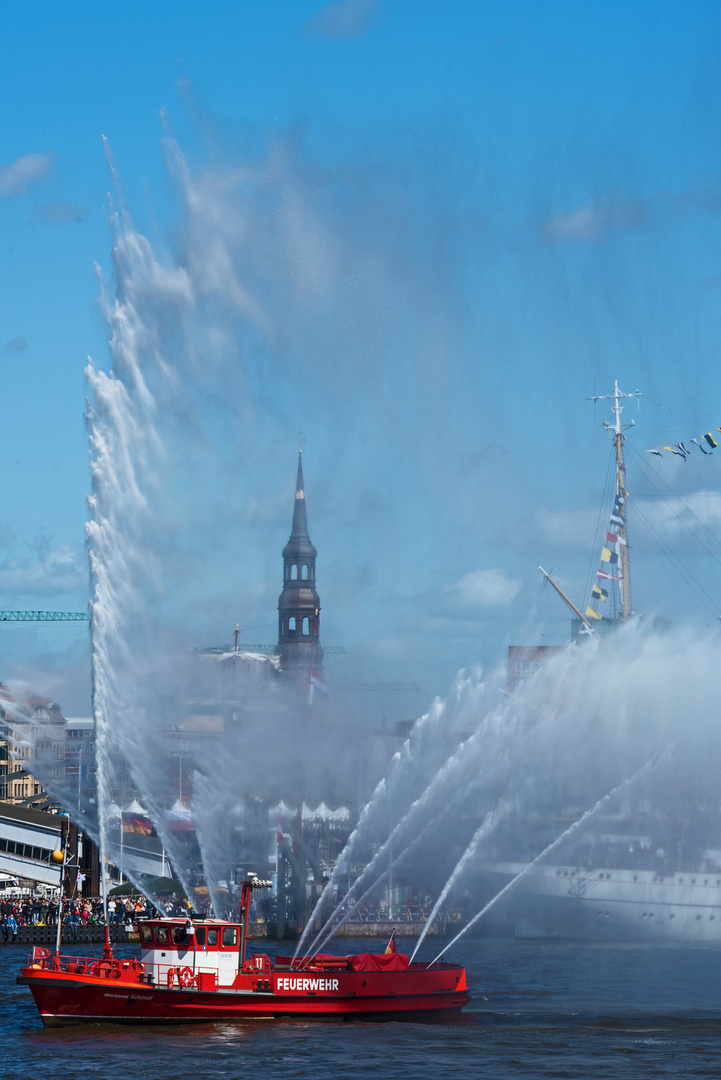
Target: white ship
(624,886)
(590,904)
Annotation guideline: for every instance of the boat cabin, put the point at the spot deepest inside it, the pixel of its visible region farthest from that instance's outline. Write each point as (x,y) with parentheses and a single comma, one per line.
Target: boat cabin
(177,951)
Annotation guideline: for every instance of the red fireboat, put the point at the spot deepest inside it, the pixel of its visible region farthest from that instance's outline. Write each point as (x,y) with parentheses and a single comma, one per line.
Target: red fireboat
(196,971)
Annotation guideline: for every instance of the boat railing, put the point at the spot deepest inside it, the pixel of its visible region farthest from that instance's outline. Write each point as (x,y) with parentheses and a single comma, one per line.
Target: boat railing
(102,968)
(174,975)
(412,913)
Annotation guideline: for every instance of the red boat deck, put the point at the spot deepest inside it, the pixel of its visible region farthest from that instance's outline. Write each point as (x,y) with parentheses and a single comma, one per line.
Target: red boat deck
(74,989)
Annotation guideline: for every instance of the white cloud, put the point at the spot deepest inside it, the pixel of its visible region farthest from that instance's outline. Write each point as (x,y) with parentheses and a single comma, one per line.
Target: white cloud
(563,528)
(675,516)
(483,589)
(60,213)
(60,571)
(596,220)
(16,345)
(17,177)
(346,18)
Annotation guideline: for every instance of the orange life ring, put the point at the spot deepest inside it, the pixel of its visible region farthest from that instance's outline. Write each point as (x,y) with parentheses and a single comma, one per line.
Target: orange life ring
(186,977)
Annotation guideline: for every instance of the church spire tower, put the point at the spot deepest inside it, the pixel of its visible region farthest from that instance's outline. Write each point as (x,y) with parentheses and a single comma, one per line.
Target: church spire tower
(298,604)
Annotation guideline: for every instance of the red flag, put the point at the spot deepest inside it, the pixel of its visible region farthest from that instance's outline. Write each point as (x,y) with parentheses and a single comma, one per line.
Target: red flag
(39,953)
(391,946)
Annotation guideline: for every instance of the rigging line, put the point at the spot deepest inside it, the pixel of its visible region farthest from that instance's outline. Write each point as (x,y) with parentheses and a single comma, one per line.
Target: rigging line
(693,397)
(681,404)
(643,464)
(680,568)
(641,433)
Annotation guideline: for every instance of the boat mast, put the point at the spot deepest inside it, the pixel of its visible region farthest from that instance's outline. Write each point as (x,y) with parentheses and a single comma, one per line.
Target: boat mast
(619,513)
(568,601)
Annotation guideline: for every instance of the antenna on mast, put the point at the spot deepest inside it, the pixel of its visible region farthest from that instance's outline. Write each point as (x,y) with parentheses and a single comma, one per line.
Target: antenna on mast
(618,518)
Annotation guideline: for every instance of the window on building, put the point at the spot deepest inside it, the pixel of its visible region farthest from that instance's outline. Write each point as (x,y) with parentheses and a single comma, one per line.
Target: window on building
(291,624)
(294,572)
(306,626)
(304,571)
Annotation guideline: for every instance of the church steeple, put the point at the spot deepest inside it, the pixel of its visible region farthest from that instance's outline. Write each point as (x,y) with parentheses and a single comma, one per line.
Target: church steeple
(298,604)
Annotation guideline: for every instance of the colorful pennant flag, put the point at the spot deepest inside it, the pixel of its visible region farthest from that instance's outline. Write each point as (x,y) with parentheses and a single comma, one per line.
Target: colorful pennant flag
(616,519)
(681,450)
(599,593)
(606,577)
(606,555)
(591,614)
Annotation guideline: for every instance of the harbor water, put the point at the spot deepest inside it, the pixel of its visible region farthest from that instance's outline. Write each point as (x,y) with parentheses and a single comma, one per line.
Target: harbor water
(538,1010)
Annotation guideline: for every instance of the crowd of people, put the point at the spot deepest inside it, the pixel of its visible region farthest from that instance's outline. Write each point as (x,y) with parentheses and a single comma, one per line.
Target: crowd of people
(43,911)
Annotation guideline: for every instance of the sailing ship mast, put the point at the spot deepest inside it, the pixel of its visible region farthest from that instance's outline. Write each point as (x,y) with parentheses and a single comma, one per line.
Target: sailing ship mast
(617,561)
(618,517)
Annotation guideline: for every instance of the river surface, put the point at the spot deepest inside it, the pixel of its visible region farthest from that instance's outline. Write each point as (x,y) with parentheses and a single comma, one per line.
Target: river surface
(538,1010)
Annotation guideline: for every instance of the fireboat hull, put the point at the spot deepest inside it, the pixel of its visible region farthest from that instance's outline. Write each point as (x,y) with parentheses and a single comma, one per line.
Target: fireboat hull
(415,994)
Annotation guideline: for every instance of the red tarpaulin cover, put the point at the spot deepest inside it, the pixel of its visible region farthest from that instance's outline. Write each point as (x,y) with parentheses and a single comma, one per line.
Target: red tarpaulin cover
(366,961)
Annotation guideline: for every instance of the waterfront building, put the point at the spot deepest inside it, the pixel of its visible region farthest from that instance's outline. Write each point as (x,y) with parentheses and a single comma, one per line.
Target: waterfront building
(32,733)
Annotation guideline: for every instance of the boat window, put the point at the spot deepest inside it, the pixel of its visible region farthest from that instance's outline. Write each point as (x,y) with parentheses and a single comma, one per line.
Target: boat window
(180,935)
(161,935)
(145,935)
(230,935)
(212,937)
(200,936)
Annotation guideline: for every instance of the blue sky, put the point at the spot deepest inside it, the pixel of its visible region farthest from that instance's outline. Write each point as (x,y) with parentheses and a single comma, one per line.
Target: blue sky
(451,225)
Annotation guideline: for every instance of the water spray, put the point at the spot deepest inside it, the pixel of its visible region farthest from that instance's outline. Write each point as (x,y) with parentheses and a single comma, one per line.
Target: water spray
(652,763)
